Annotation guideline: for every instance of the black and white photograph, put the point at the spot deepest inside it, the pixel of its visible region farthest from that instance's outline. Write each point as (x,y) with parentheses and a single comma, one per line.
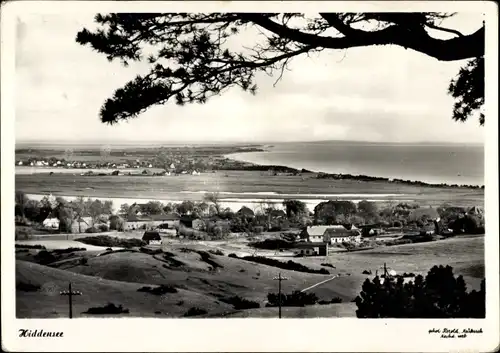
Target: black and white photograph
(231,164)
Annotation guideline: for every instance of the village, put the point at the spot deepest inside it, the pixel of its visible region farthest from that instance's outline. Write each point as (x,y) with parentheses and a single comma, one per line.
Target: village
(149,161)
(332,226)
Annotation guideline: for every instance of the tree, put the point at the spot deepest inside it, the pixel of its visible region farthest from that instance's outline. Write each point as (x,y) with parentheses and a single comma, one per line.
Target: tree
(294,208)
(331,212)
(21,201)
(185,207)
(116,223)
(79,208)
(124,209)
(169,207)
(439,295)
(107,207)
(212,198)
(202,65)
(152,207)
(201,208)
(369,211)
(33,211)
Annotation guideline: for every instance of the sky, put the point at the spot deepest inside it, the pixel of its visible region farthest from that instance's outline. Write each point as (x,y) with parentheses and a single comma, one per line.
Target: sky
(379,94)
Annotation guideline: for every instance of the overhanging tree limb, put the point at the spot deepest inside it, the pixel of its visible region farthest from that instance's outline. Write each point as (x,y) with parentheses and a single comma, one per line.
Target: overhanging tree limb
(191,60)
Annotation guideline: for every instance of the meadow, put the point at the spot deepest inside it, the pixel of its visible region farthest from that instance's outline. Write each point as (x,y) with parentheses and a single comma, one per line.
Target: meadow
(239,184)
(116,277)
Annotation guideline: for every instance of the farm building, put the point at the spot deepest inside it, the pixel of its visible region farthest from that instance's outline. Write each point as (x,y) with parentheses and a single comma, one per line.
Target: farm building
(314,234)
(368,230)
(191,222)
(310,249)
(330,234)
(152,238)
(135,221)
(169,220)
(51,222)
(216,221)
(339,234)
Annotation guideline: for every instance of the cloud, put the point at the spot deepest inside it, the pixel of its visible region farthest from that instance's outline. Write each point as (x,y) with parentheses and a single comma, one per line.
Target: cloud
(378,93)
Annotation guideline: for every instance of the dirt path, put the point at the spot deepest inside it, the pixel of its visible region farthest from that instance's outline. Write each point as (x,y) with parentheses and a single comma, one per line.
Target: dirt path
(319,283)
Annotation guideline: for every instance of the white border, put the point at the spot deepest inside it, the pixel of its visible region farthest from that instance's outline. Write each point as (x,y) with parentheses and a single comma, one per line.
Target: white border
(129,335)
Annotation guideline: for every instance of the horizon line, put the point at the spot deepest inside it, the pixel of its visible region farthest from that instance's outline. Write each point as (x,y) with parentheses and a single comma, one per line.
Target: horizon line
(160,142)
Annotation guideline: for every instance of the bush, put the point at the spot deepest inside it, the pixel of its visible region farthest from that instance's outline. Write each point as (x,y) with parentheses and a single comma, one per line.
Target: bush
(333,301)
(150,251)
(92,230)
(67,251)
(107,241)
(26,246)
(107,309)
(27,287)
(216,252)
(438,295)
(290,265)
(273,244)
(103,227)
(208,259)
(367,272)
(23,233)
(296,298)
(233,255)
(160,290)
(116,223)
(241,303)
(328,265)
(44,257)
(195,311)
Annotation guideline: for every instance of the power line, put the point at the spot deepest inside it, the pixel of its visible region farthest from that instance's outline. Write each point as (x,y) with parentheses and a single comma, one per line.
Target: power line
(279,279)
(70,293)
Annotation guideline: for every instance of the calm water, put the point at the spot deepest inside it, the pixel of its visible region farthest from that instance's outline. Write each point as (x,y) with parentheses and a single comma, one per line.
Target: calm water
(453,164)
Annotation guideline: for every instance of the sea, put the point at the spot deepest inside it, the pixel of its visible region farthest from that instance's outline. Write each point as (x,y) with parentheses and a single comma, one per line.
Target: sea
(461,164)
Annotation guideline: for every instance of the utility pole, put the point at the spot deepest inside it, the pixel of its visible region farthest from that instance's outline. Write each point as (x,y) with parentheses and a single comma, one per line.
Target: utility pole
(279,279)
(70,293)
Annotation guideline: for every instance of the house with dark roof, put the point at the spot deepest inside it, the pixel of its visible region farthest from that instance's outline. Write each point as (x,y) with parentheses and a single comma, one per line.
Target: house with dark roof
(166,220)
(135,221)
(152,238)
(190,221)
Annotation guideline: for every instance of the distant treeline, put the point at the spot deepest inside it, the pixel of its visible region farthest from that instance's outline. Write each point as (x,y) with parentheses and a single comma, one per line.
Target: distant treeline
(395,180)
(263,168)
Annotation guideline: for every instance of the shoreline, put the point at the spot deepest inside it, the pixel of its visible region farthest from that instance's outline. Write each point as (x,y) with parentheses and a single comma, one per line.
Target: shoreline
(342,176)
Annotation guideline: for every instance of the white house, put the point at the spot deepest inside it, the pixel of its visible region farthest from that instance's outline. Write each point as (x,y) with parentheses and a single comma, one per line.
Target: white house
(51,222)
(331,234)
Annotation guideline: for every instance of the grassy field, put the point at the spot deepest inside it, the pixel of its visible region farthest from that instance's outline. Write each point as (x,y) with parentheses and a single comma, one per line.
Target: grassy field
(115,277)
(242,184)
